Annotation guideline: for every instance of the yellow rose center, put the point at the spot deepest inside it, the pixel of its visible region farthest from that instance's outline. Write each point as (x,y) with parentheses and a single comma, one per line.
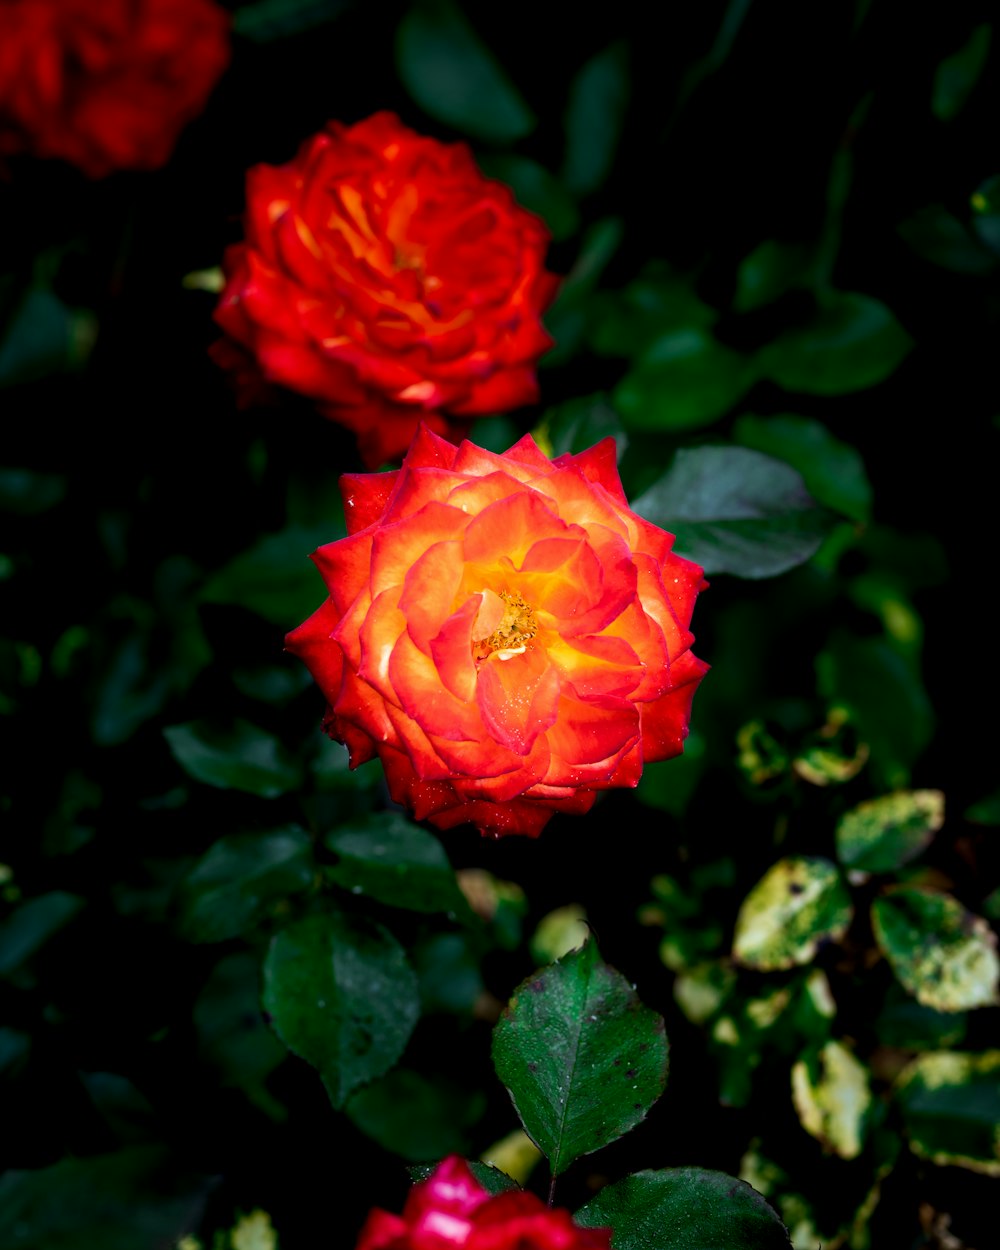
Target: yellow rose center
(516,627)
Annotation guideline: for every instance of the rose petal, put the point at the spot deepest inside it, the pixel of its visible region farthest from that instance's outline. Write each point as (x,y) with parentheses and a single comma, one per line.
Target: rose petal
(518,698)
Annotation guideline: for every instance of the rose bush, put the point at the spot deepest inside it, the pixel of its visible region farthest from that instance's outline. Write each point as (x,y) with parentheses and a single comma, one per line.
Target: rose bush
(106,84)
(451,1208)
(503,632)
(384,277)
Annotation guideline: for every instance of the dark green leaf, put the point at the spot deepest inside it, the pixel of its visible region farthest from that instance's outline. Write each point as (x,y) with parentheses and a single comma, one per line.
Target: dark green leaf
(768,272)
(598,97)
(115,1202)
(685,381)
(582,1058)
(535,189)
(985,203)
(951,1108)
(342,996)
(886,701)
(239,879)
(32,924)
(957,75)
(240,757)
(265,20)
(45,337)
(448,969)
(853,342)
(492,1179)
(734,510)
(653,313)
(905,1024)
(276,579)
(834,472)
(568,319)
(942,954)
(938,236)
(670,788)
(685,1209)
(885,833)
(416,1116)
(232,1033)
(579,423)
(14,1047)
(388,858)
(799,904)
(454,77)
(26,493)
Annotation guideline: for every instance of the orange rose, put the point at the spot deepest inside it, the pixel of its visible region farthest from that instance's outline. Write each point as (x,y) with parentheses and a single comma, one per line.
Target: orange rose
(384,277)
(503,632)
(106,84)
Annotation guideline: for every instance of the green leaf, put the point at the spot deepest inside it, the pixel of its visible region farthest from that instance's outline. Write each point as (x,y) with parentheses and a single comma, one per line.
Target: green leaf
(768,272)
(853,342)
(799,904)
(579,423)
(455,78)
(939,237)
(957,75)
(491,1178)
(885,833)
(416,1116)
(233,1035)
(447,965)
(342,996)
(534,189)
(239,879)
(26,493)
(598,97)
(670,789)
(685,1209)
(582,1058)
(28,928)
(885,698)
(266,20)
(685,381)
(115,1201)
(736,511)
(240,757)
(950,1102)
(832,1096)
(45,337)
(655,306)
(941,953)
(276,579)
(14,1047)
(388,858)
(905,1024)
(834,472)
(568,319)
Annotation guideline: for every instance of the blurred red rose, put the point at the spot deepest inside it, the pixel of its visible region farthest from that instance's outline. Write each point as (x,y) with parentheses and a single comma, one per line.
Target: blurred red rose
(384,277)
(106,84)
(503,632)
(451,1208)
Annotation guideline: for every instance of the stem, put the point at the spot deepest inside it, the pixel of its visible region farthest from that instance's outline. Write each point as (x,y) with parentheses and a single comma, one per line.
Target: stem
(552,1189)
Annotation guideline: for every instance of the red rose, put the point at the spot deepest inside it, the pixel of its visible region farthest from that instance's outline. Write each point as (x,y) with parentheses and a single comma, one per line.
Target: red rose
(451,1208)
(503,632)
(106,84)
(384,277)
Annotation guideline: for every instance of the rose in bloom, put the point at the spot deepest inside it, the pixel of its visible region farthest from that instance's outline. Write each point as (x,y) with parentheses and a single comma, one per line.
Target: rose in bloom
(106,84)
(503,632)
(385,278)
(451,1208)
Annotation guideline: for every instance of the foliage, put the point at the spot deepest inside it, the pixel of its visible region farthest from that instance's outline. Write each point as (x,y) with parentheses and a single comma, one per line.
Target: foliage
(232,973)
